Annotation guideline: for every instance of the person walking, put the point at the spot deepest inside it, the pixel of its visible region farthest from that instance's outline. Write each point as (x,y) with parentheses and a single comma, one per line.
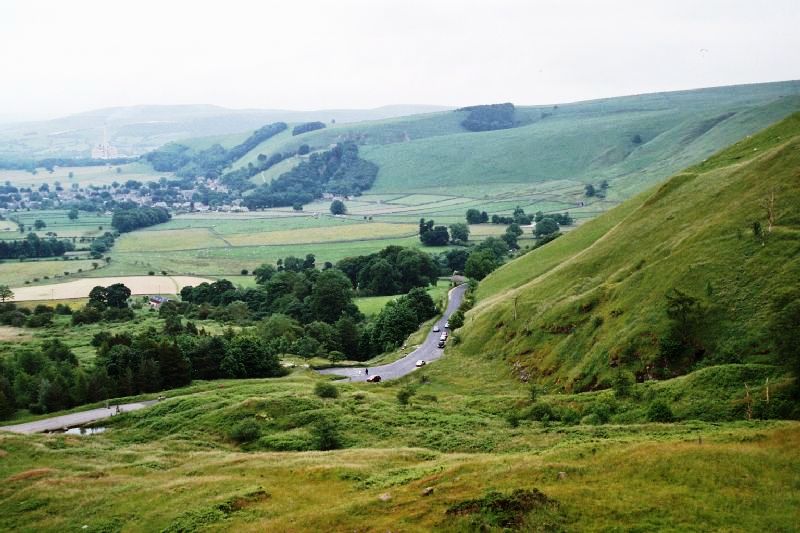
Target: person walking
(366,371)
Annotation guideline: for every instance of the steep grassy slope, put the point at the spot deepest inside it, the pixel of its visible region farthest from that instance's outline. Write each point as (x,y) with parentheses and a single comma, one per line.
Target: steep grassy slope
(573,311)
(583,142)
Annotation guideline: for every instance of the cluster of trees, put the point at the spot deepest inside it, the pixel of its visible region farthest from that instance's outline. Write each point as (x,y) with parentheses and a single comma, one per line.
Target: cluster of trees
(45,380)
(34,246)
(129,219)
(210,162)
(396,321)
(485,258)
(600,192)
(101,245)
(393,270)
(339,171)
(477,217)
(41,316)
(152,360)
(308,126)
(431,235)
(295,288)
(489,117)
(239,179)
(105,303)
(50,379)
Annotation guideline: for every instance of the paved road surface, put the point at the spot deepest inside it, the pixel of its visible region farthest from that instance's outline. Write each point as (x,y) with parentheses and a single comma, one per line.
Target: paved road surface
(75,419)
(428,350)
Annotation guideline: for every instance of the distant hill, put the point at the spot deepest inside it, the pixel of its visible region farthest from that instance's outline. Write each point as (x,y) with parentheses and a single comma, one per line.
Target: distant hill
(630,141)
(575,311)
(137,129)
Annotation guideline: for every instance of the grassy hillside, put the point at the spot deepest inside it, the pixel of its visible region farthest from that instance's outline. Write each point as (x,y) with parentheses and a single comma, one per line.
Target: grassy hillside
(175,467)
(573,312)
(584,142)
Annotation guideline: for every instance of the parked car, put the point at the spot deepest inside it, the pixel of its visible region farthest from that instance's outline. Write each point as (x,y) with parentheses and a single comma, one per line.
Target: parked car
(443,337)
(374,379)
(436,328)
(447,324)
(441,343)
(421,363)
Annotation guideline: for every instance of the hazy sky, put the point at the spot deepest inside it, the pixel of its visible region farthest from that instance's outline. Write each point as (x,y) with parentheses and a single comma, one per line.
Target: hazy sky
(60,56)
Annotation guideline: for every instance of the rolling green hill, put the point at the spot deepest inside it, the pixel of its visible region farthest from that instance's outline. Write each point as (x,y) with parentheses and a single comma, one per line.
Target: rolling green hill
(575,311)
(632,141)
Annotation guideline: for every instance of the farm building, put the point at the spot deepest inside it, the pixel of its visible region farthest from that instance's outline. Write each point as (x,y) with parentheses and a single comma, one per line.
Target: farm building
(156,301)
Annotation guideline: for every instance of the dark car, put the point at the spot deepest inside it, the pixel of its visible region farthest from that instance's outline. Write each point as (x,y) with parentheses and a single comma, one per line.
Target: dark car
(374,379)
(441,344)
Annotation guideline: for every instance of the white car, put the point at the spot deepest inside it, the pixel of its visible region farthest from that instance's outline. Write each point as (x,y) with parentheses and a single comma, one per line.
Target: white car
(447,324)
(435,328)
(420,363)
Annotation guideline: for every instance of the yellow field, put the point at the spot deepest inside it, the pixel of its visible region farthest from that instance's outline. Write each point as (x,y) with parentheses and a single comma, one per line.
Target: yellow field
(80,288)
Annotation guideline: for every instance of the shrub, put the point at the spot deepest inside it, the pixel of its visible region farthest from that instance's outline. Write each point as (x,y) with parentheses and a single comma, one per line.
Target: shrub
(623,383)
(323,389)
(569,416)
(326,435)
(244,272)
(404,395)
(245,431)
(62,309)
(151,273)
(591,420)
(603,409)
(541,411)
(659,411)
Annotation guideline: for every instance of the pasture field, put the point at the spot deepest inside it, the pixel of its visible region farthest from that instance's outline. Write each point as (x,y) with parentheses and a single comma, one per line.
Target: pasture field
(222,244)
(17,273)
(84,176)
(58,222)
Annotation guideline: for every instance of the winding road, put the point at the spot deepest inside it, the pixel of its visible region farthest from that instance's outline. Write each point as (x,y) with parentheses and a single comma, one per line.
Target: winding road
(58,423)
(428,351)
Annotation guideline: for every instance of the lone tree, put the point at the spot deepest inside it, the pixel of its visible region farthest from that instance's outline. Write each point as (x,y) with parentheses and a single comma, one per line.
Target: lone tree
(6,293)
(39,224)
(590,190)
(338,207)
(73,213)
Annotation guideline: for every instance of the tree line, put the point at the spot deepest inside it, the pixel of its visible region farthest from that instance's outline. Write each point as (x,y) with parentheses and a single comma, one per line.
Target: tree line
(34,246)
(339,171)
(489,117)
(308,126)
(211,161)
(129,219)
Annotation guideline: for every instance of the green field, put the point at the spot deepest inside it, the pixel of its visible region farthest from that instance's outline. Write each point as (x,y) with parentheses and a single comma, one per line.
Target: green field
(58,222)
(372,305)
(83,176)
